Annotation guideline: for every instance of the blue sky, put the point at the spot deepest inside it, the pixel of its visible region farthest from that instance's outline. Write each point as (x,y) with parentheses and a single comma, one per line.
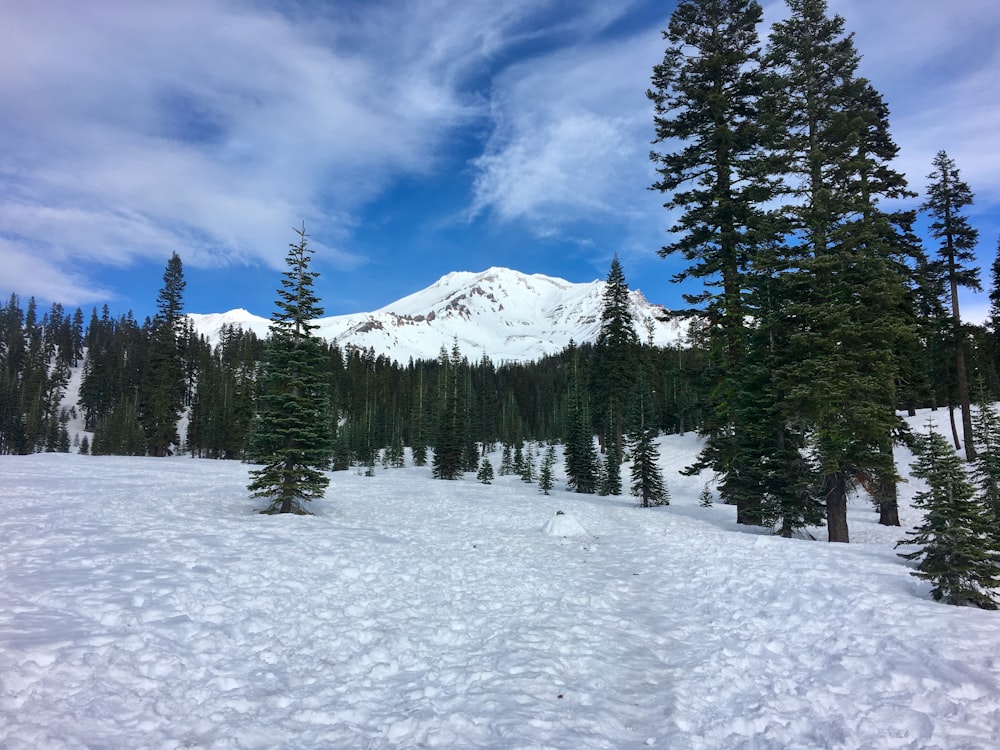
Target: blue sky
(412,138)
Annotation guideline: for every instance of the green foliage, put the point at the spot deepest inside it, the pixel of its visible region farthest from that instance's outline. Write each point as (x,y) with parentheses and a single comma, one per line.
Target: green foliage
(947,195)
(580,456)
(291,435)
(957,553)
(163,390)
(485,474)
(705,498)
(610,479)
(545,476)
(452,426)
(528,465)
(986,466)
(647,478)
(616,357)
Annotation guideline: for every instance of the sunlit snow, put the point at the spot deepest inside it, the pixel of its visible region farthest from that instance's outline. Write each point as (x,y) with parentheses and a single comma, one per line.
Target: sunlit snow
(145,605)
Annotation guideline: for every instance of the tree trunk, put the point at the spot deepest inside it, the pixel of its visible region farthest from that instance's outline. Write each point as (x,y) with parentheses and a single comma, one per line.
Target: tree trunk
(954,428)
(836,507)
(965,401)
(888,503)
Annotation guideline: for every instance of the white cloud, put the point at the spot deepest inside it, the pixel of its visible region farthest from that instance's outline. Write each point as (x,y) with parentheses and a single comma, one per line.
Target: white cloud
(210,128)
(571,137)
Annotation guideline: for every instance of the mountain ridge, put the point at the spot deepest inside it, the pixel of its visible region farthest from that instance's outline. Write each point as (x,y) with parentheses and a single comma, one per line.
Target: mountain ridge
(501,313)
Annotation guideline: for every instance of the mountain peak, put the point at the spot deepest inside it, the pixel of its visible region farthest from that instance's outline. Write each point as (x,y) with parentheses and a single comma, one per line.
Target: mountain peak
(501,313)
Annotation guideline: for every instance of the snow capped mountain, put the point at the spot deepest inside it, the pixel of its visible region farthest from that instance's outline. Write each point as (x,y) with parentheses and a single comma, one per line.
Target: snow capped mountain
(504,314)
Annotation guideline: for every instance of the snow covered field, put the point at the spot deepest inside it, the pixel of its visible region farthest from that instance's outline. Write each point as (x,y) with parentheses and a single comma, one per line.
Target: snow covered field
(145,605)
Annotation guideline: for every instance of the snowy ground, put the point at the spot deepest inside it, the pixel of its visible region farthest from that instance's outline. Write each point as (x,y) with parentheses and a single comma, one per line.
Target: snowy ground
(144,605)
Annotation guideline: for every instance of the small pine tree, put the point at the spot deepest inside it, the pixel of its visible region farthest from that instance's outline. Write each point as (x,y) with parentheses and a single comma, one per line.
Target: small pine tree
(545,479)
(957,554)
(507,461)
(485,474)
(986,466)
(396,453)
(419,454)
(647,479)
(84,445)
(610,482)
(519,458)
(528,465)
(705,499)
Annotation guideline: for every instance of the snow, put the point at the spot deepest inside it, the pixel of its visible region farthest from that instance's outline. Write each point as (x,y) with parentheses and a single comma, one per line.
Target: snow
(563,524)
(143,604)
(503,314)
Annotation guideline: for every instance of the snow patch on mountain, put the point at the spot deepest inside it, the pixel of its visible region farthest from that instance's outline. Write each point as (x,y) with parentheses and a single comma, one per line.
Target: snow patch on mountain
(500,313)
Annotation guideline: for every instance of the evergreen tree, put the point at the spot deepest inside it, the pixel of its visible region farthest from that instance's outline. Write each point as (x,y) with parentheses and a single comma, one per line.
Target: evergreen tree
(705,498)
(291,435)
(84,445)
(485,474)
(545,477)
(581,458)
(616,357)
(610,482)
(163,386)
(986,465)
(957,554)
(947,195)
(507,461)
(839,287)
(528,465)
(449,446)
(647,478)
(707,94)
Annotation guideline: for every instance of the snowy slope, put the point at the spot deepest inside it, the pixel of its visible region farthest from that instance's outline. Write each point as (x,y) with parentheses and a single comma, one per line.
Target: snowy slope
(504,314)
(144,605)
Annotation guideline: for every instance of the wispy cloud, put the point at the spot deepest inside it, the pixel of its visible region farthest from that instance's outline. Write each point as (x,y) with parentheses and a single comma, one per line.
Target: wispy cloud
(210,127)
(571,137)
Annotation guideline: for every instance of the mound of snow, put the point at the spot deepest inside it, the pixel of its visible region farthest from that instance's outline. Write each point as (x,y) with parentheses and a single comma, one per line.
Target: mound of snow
(563,524)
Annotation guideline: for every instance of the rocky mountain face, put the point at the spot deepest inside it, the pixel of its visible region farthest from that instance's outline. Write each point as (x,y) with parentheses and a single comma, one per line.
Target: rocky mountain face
(500,313)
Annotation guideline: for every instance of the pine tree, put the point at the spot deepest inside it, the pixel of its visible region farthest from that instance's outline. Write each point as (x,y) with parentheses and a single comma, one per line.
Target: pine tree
(528,465)
(507,461)
(291,434)
(485,474)
(705,498)
(840,290)
(647,478)
(581,458)
(947,195)
(957,554)
(545,477)
(707,94)
(449,446)
(986,465)
(616,356)
(610,482)
(164,384)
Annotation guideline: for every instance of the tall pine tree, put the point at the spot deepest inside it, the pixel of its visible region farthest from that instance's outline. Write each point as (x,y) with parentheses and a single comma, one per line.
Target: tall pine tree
(706,94)
(291,434)
(615,360)
(840,290)
(947,195)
